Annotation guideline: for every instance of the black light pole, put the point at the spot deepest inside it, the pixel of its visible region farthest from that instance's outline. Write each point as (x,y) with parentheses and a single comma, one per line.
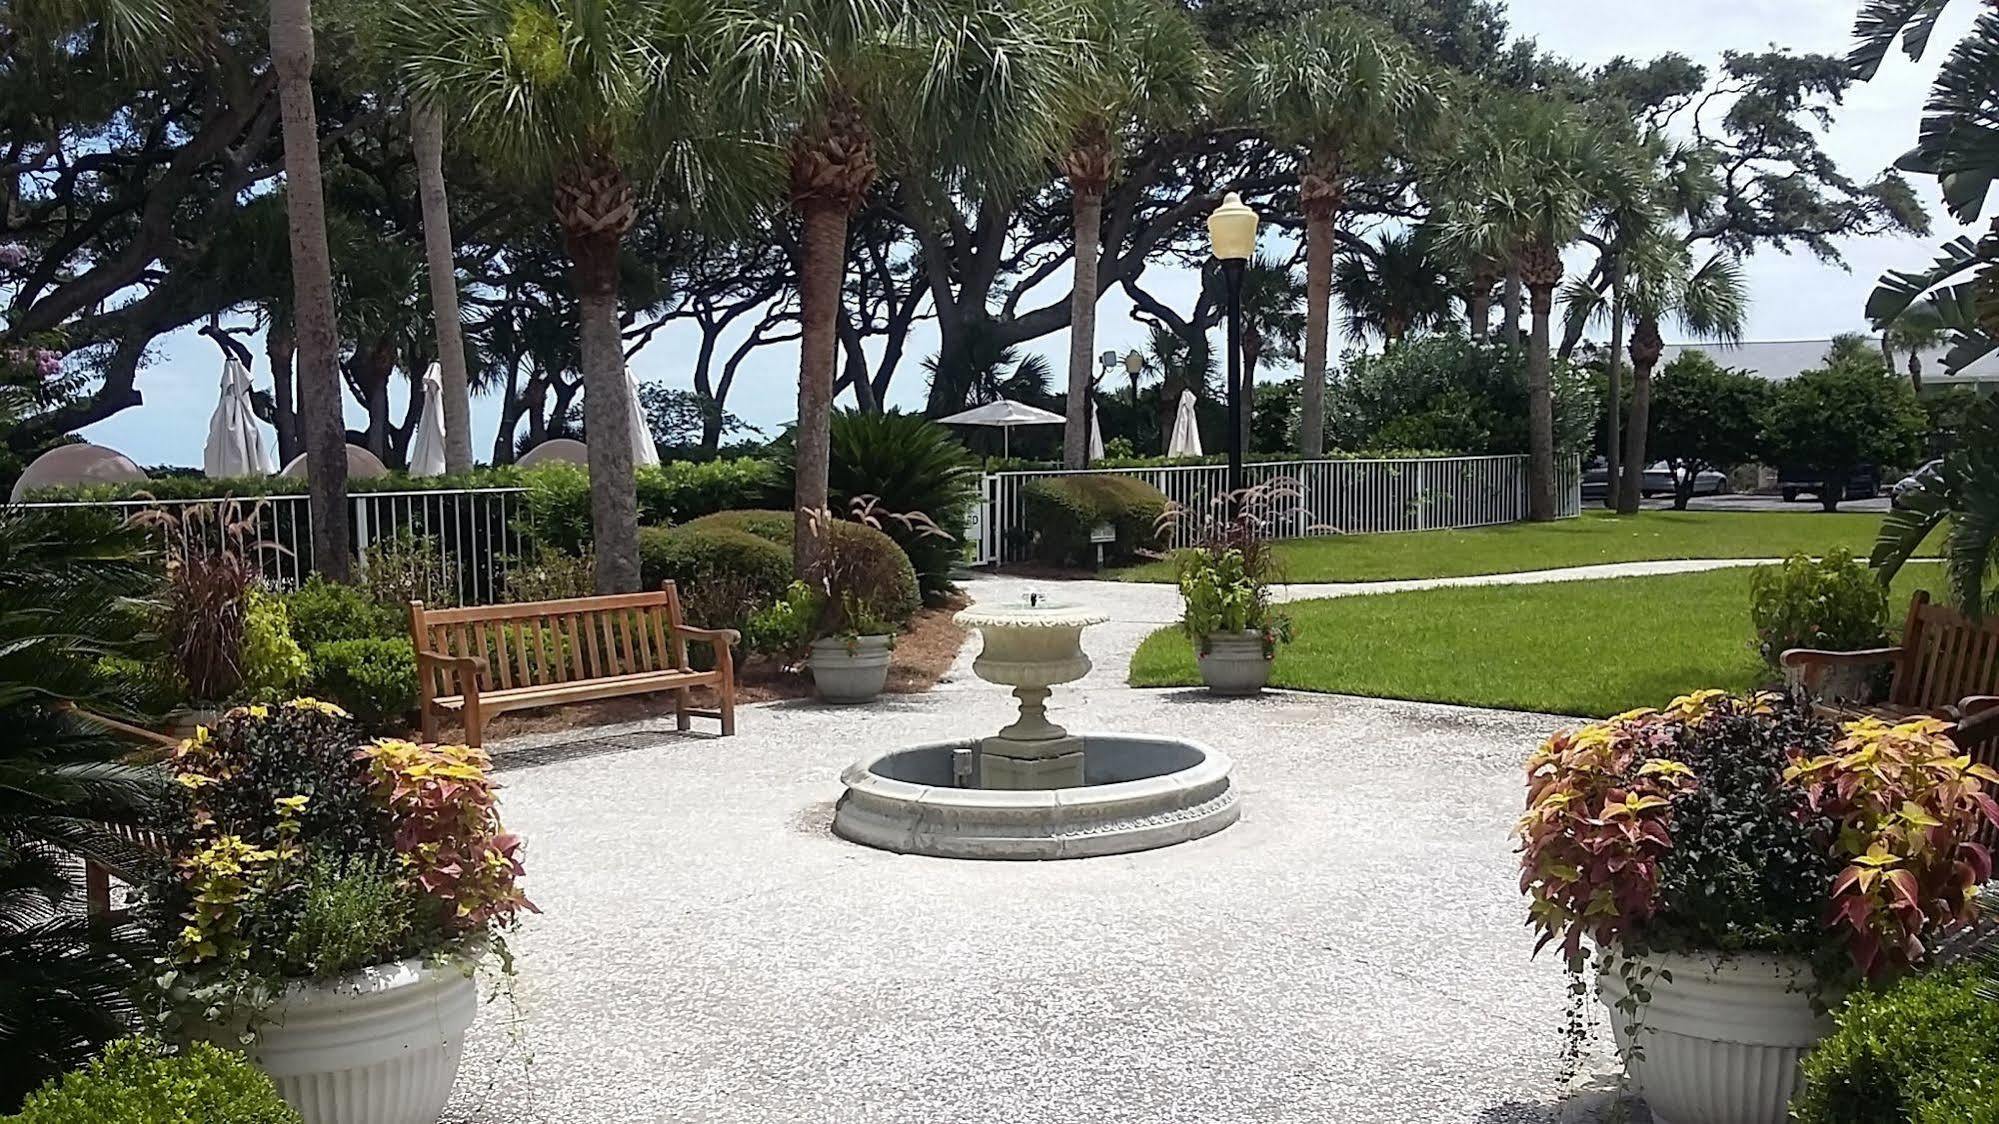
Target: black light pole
(1232,236)
(1232,282)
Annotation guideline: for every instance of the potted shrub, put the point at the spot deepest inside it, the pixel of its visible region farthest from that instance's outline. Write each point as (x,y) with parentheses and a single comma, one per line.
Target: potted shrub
(1836,603)
(1225,581)
(326,905)
(845,613)
(1733,866)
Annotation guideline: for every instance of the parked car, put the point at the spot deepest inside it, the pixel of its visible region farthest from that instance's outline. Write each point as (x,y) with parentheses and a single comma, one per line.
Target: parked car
(1794,481)
(1658,481)
(1928,476)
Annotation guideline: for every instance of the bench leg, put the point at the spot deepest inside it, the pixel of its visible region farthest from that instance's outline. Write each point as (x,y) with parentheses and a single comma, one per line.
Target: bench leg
(429,723)
(475,722)
(680,703)
(725,660)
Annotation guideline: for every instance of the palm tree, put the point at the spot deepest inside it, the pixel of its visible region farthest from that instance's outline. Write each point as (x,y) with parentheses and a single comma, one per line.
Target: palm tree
(1347,93)
(1918,328)
(1139,66)
(318,354)
(596,98)
(838,84)
(1393,286)
(427,138)
(1524,180)
(67,594)
(1273,324)
(1709,301)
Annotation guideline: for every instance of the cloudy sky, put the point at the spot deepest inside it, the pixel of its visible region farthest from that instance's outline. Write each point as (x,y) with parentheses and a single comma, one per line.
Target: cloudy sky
(1793,297)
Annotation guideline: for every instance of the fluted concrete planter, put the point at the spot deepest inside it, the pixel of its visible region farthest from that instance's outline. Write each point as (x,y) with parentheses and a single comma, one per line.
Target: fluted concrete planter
(850,671)
(1233,663)
(1722,1040)
(380,1046)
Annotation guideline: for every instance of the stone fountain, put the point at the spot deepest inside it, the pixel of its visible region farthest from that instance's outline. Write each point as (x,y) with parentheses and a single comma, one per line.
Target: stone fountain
(1034,790)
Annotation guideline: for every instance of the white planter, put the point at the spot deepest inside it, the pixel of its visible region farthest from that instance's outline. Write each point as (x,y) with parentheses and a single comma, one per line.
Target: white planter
(1234,663)
(1721,1041)
(850,672)
(380,1046)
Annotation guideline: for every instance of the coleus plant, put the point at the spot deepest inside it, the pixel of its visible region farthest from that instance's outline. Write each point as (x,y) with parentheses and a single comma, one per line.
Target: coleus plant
(1869,826)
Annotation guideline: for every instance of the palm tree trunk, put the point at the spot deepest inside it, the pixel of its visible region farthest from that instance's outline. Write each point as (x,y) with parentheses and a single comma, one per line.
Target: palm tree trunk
(825,260)
(614,512)
(1252,351)
(1318,319)
(1509,332)
(1541,410)
(1646,346)
(1614,423)
(312,289)
(1089,211)
(278,350)
(1481,313)
(427,137)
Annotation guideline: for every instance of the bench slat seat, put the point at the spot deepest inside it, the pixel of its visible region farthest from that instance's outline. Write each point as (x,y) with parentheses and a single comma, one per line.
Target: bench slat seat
(482,660)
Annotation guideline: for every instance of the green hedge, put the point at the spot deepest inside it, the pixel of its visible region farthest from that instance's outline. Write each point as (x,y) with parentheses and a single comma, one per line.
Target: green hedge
(558,498)
(322,612)
(372,678)
(775,526)
(1063,510)
(1925,1050)
(138,1081)
(723,574)
(889,583)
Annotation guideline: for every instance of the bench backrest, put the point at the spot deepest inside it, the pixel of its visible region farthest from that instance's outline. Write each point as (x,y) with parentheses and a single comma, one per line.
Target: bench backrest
(1945,657)
(538,643)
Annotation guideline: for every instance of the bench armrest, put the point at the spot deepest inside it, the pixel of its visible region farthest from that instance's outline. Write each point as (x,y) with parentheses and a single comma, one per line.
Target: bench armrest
(474,665)
(1814,657)
(716,636)
(1978,720)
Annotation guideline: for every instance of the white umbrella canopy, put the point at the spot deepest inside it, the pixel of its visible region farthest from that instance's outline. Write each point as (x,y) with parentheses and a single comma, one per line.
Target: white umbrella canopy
(234,448)
(1096,438)
(644,452)
(1005,413)
(427,451)
(1186,439)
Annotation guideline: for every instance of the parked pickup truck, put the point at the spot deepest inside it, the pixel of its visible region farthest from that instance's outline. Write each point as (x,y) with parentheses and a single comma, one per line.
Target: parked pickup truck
(1793,482)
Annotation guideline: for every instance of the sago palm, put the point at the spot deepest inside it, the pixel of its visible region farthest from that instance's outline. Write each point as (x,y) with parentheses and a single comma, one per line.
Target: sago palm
(67,590)
(842,86)
(600,100)
(1137,66)
(1346,93)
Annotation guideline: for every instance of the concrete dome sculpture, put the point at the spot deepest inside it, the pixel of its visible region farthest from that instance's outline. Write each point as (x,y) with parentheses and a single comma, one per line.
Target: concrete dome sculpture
(564,449)
(361,465)
(68,466)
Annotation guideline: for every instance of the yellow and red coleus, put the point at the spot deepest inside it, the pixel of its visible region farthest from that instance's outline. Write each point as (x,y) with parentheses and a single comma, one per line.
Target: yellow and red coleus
(441,800)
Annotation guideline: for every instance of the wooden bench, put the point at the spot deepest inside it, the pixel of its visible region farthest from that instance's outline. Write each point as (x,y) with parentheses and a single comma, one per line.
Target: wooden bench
(484,660)
(1946,666)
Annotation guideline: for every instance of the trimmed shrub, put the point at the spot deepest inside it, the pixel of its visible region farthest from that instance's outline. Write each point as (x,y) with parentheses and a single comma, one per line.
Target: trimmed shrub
(1925,1049)
(1835,603)
(273,663)
(880,577)
(138,1081)
(774,526)
(372,678)
(724,575)
(1064,509)
(323,611)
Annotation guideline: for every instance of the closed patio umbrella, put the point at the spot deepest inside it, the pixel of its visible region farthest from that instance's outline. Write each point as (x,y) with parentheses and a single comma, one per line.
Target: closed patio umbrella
(644,452)
(1096,438)
(234,448)
(427,451)
(1186,439)
(1004,413)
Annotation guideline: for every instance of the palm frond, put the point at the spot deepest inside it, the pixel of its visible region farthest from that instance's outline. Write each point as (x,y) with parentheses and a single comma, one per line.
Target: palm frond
(1881,21)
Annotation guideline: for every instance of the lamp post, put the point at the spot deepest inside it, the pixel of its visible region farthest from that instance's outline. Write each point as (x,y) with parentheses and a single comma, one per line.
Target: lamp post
(1232,237)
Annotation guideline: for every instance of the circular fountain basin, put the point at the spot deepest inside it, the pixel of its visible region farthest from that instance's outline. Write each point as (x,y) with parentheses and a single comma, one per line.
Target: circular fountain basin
(1138,793)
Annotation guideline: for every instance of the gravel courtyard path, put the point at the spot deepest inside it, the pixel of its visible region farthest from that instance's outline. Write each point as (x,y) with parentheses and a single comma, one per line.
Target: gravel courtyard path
(1352,951)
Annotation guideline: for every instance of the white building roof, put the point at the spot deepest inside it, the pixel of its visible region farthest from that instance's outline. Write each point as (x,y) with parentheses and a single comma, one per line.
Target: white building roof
(1780,360)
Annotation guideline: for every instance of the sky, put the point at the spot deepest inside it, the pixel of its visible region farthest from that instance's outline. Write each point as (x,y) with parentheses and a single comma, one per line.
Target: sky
(1792,297)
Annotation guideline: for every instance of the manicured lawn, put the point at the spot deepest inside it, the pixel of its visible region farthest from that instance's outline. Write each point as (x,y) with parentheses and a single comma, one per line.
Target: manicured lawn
(1597,537)
(1591,648)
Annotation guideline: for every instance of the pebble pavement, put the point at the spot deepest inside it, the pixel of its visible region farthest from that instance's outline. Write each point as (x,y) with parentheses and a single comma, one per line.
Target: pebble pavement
(1353,951)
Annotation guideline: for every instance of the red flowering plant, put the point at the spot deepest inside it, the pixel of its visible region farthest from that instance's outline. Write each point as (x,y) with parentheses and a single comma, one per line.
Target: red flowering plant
(302,855)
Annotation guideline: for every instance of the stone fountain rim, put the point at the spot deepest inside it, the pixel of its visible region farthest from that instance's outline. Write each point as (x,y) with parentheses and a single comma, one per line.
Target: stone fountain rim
(1026,616)
(1214,766)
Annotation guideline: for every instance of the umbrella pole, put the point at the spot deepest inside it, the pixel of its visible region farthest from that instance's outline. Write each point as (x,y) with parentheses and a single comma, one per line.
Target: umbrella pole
(1006,442)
